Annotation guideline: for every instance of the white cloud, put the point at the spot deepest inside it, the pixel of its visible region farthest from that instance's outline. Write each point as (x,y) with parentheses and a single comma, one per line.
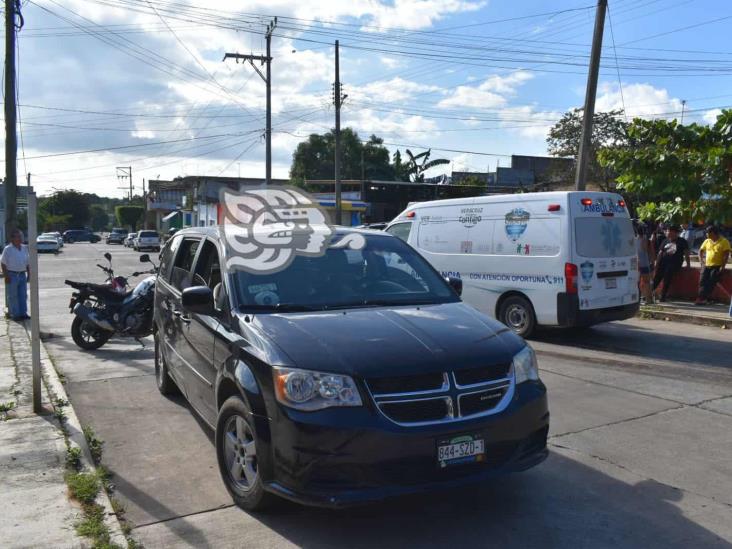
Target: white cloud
(390,91)
(489,94)
(641,100)
(390,62)
(710,117)
(528,122)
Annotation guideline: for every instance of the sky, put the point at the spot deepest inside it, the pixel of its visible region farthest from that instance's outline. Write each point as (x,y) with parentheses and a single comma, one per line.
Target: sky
(142,83)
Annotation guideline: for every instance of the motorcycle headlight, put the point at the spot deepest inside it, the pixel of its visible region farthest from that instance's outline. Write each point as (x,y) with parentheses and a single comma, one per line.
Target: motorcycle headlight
(525,367)
(308,390)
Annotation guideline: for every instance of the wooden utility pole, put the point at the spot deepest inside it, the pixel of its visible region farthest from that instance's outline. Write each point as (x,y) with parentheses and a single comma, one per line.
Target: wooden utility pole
(337,101)
(267,77)
(585,148)
(11,143)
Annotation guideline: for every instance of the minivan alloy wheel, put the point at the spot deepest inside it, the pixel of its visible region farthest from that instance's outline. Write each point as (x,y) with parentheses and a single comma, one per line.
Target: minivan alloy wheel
(240,452)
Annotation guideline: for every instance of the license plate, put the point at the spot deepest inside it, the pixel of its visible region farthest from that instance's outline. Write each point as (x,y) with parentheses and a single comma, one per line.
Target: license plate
(611,283)
(462,449)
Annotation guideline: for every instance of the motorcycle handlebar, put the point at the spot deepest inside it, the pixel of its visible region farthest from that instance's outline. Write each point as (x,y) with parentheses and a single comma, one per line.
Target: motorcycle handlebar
(105,269)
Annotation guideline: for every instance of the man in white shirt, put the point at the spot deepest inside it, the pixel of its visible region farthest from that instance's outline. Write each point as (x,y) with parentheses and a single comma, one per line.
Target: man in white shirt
(16,268)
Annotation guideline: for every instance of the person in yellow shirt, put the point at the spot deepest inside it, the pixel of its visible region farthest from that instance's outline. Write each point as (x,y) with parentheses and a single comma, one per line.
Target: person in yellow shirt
(713,255)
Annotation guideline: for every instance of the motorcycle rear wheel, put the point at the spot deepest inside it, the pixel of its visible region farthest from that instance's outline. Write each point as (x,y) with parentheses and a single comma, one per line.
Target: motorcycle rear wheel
(88,336)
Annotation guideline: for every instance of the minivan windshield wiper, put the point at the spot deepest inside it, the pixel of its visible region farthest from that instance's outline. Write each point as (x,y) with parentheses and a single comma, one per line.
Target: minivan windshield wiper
(383,303)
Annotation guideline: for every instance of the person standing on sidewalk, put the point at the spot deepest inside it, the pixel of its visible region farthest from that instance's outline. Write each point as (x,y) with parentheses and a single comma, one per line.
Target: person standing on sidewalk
(16,269)
(670,259)
(713,255)
(643,249)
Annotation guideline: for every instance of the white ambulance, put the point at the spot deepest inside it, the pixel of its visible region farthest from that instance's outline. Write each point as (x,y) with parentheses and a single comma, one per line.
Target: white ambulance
(552,259)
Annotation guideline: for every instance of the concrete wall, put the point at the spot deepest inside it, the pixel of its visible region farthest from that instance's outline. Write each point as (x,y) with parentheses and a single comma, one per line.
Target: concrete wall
(685,285)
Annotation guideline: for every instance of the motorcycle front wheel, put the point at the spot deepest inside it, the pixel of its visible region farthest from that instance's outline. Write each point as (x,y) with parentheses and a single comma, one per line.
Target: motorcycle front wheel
(88,336)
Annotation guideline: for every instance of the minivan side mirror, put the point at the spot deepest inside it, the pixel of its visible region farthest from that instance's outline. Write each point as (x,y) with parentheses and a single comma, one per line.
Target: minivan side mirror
(456,284)
(144,258)
(107,256)
(198,299)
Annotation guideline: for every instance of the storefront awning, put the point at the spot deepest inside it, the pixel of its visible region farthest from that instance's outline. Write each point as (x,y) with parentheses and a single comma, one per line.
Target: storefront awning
(170,216)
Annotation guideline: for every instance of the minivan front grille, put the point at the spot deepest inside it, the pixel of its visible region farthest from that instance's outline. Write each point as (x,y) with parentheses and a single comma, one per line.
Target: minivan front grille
(474,376)
(444,396)
(419,383)
(417,411)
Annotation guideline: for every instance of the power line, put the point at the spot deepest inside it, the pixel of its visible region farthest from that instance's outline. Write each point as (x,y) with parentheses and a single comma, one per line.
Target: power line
(617,66)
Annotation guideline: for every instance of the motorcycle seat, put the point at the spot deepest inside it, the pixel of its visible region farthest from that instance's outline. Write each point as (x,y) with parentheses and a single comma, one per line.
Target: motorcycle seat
(102,290)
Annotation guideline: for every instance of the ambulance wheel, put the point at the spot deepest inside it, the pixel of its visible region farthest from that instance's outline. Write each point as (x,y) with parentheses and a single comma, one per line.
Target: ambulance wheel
(517,313)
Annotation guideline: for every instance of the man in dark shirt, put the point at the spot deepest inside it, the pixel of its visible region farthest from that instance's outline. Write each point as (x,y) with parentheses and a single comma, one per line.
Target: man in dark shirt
(670,258)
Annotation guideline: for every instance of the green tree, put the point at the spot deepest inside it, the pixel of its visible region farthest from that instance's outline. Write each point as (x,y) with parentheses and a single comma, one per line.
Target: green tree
(99,217)
(314,158)
(129,216)
(71,204)
(685,172)
(417,165)
(609,130)
(400,167)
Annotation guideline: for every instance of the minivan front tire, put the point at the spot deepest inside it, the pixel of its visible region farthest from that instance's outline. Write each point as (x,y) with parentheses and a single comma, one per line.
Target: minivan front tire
(236,450)
(517,313)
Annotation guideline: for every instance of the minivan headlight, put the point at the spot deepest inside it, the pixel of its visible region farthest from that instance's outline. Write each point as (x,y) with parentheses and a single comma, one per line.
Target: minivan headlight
(524,365)
(308,390)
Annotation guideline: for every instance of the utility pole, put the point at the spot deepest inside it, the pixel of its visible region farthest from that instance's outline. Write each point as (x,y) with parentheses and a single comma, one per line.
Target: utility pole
(124,172)
(267,77)
(11,144)
(585,148)
(683,108)
(337,101)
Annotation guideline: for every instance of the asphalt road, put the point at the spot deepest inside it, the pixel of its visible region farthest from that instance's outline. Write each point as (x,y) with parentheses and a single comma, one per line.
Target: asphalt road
(641,441)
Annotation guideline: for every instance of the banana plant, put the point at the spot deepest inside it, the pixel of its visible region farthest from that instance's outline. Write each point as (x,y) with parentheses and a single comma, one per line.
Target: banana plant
(418,164)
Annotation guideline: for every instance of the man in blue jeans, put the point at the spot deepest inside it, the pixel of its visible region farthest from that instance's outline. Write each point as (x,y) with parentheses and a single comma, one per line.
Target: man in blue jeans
(15,266)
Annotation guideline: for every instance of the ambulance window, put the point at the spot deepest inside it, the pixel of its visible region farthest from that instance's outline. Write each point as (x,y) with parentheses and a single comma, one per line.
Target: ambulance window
(604,237)
(400,230)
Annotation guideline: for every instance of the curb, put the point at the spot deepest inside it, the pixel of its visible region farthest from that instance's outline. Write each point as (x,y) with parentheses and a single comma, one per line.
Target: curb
(77,438)
(701,320)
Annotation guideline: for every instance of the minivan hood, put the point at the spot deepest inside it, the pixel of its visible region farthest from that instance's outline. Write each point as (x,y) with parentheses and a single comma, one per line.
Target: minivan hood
(389,341)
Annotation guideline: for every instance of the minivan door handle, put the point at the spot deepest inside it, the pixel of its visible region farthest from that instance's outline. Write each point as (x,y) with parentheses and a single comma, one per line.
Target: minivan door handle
(181,316)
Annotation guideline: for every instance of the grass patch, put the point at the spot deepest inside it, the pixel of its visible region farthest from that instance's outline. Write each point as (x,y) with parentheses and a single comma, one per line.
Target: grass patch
(73,458)
(92,526)
(84,487)
(59,414)
(5,409)
(95,444)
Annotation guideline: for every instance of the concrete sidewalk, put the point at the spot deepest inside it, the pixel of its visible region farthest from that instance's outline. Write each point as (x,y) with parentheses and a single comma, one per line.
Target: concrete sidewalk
(716,314)
(35,508)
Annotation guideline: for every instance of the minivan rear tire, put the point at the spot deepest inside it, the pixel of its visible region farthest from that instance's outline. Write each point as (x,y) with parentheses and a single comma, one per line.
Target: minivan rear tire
(252,497)
(164,382)
(517,313)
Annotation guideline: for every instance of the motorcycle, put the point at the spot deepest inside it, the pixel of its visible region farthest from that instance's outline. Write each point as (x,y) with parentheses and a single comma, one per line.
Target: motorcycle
(105,310)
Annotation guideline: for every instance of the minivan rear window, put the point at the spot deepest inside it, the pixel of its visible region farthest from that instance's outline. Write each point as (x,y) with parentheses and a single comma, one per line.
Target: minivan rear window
(600,237)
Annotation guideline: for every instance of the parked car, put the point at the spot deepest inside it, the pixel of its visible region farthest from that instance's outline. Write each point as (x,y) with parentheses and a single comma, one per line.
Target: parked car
(340,380)
(80,235)
(146,240)
(554,259)
(117,236)
(58,236)
(47,243)
(128,242)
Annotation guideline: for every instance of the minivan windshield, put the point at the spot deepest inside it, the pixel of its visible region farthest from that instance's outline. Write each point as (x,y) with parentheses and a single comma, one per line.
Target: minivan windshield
(385,272)
(602,237)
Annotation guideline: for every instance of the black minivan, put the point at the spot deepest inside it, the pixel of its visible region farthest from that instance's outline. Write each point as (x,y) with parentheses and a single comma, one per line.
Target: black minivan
(344,378)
